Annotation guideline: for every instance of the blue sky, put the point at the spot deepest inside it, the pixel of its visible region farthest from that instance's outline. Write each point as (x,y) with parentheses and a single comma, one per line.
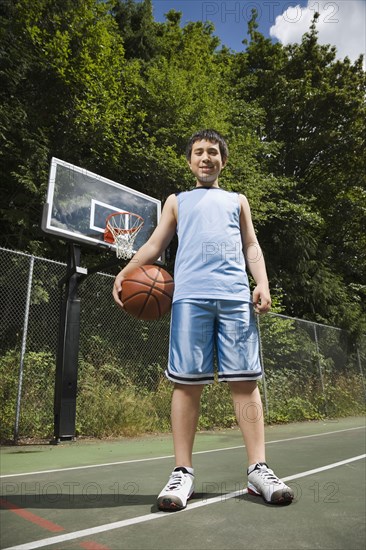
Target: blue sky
(342,22)
(229,17)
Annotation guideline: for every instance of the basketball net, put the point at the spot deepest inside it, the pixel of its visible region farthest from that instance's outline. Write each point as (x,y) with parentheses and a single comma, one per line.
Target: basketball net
(121,230)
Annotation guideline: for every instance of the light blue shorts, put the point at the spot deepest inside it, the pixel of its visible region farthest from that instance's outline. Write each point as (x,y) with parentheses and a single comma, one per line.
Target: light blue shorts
(201,327)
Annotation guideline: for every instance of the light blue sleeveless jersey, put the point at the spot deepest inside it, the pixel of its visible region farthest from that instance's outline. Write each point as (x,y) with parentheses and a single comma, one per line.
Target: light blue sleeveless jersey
(210,263)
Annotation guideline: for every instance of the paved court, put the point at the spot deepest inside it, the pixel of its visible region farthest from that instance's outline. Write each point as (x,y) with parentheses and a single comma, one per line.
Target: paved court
(101,495)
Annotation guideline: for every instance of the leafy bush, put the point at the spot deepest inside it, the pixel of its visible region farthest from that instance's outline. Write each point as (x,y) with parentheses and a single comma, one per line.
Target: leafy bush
(36,419)
(9,372)
(344,395)
(112,402)
(298,395)
(217,410)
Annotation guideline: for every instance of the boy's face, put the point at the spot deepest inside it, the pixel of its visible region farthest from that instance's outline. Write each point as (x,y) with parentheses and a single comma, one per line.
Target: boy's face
(206,163)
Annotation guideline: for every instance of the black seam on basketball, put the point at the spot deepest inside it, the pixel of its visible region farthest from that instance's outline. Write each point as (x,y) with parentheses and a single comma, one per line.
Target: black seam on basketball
(157,303)
(163,292)
(137,282)
(143,306)
(154,279)
(131,296)
(148,285)
(148,289)
(125,300)
(149,293)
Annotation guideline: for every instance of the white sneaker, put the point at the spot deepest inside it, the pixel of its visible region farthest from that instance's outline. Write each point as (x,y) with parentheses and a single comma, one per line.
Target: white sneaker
(263,482)
(177,491)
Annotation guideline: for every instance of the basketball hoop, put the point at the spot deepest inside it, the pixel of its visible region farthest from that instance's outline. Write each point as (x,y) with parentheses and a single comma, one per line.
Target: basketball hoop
(121,230)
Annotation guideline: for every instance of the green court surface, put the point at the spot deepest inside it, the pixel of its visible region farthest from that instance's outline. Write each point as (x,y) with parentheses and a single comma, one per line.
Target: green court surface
(100,495)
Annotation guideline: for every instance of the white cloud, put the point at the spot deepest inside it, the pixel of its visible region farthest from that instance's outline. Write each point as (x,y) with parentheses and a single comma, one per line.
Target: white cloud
(342,23)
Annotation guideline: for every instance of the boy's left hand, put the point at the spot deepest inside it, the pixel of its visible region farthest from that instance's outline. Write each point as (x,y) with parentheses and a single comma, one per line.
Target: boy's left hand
(261,299)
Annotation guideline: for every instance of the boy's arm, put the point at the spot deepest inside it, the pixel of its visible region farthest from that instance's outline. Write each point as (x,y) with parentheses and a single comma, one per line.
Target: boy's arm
(153,248)
(254,258)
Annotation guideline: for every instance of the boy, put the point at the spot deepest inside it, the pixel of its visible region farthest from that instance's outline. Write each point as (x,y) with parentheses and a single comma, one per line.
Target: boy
(212,308)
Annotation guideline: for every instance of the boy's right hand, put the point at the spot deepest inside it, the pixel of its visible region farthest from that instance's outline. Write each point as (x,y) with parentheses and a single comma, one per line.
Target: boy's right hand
(117,290)
(262,298)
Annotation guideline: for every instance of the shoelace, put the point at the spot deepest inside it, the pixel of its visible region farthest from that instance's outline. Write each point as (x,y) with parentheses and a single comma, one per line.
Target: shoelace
(175,481)
(268,475)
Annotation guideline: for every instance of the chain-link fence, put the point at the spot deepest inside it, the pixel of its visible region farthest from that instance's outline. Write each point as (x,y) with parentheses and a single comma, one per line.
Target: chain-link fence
(312,371)
(316,370)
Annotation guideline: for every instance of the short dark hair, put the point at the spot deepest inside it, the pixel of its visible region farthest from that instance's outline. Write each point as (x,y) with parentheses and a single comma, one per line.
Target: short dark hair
(208,135)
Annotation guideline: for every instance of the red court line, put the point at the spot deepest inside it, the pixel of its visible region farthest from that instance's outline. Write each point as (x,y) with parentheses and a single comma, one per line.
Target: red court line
(46,524)
(91,545)
(29,516)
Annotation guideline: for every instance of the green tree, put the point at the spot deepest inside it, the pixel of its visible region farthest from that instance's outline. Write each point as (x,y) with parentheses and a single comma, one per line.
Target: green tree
(315,112)
(102,85)
(69,92)
(175,103)
(137,26)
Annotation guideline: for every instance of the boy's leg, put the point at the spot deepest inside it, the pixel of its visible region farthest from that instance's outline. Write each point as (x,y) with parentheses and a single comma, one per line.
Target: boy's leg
(249,414)
(191,363)
(262,481)
(185,413)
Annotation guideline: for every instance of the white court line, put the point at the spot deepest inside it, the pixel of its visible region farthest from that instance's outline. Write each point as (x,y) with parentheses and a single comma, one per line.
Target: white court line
(159,515)
(135,461)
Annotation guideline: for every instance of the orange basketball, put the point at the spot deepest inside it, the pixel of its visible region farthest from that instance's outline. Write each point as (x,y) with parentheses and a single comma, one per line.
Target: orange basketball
(147,292)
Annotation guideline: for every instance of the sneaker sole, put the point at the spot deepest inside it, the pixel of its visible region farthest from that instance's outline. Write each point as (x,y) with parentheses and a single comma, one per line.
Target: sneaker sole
(171,504)
(285,498)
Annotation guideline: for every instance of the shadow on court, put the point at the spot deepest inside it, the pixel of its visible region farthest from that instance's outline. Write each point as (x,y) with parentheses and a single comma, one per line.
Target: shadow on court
(56,501)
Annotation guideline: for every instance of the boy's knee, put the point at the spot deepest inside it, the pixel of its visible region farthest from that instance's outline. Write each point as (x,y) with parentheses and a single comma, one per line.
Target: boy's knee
(189,389)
